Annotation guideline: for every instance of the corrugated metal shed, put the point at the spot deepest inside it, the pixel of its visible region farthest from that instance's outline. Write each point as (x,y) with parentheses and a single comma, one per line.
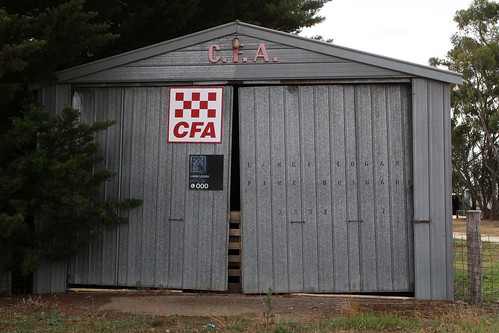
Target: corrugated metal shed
(329,153)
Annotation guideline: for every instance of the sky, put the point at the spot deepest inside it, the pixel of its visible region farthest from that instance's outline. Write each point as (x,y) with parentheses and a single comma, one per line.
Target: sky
(410,30)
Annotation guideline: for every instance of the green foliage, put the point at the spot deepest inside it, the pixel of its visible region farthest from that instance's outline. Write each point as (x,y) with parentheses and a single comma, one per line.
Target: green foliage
(35,43)
(68,30)
(16,51)
(268,312)
(140,23)
(71,35)
(47,163)
(283,15)
(55,182)
(475,136)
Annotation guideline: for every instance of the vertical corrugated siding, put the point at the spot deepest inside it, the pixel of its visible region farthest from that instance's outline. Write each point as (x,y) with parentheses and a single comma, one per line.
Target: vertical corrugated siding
(177,238)
(339,98)
(308,165)
(351,180)
(278,194)
(432,190)
(293,184)
(335,163)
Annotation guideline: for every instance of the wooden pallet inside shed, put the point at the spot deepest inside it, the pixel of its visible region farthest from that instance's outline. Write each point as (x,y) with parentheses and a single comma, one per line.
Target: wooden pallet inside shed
(234,253)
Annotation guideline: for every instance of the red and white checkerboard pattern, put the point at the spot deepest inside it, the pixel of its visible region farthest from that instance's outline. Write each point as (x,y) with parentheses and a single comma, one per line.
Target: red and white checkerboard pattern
(195,115)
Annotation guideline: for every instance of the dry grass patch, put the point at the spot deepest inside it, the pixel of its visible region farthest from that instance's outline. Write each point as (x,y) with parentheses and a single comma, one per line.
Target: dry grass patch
(487,227)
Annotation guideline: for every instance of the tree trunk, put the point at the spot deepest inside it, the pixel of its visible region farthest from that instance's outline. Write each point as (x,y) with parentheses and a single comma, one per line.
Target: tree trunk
(5,276)
(494,200)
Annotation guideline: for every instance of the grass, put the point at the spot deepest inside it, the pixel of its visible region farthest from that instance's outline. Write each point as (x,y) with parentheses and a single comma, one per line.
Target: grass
(490,270)
(490,261)
(487,227)
(33,315)
(372,321)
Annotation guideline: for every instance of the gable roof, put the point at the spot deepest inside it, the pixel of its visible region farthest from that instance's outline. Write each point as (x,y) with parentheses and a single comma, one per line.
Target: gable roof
(323,60)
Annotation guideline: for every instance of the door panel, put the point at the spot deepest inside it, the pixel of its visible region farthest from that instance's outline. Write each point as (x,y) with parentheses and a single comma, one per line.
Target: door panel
(326,187)
(178,237)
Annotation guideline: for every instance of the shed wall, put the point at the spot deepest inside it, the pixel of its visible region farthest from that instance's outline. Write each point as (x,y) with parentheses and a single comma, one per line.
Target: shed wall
(113,259)
(433,246)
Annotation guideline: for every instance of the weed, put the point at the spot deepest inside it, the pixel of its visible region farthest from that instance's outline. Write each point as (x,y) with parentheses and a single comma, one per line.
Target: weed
(268,312)
(230,324)
(467,319)
(157,322)
(32,304)
(54,318)
(281,328)
(371,321)
(350,307)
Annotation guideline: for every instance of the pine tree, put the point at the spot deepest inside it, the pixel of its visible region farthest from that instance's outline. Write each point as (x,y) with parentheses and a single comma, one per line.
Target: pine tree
(47,163)
(140,23)
(57,182)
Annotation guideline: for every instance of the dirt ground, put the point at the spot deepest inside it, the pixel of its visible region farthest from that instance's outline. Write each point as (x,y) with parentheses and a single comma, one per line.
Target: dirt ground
(296,307)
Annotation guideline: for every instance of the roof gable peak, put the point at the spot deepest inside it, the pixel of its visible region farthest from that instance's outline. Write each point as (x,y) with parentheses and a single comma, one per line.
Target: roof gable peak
(244,30)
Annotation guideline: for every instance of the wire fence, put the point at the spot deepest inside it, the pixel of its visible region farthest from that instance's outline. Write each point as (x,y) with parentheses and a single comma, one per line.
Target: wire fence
(490,269)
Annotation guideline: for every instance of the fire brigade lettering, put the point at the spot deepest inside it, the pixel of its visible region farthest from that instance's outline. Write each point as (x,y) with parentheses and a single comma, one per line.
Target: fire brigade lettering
(217,54)
(195,115)
(211,50)
(261,53)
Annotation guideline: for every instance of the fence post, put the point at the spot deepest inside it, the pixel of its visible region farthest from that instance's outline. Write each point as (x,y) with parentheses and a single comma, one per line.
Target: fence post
(474,247)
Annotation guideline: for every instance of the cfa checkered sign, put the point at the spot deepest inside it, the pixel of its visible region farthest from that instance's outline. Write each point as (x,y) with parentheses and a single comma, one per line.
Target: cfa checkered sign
(195,115)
